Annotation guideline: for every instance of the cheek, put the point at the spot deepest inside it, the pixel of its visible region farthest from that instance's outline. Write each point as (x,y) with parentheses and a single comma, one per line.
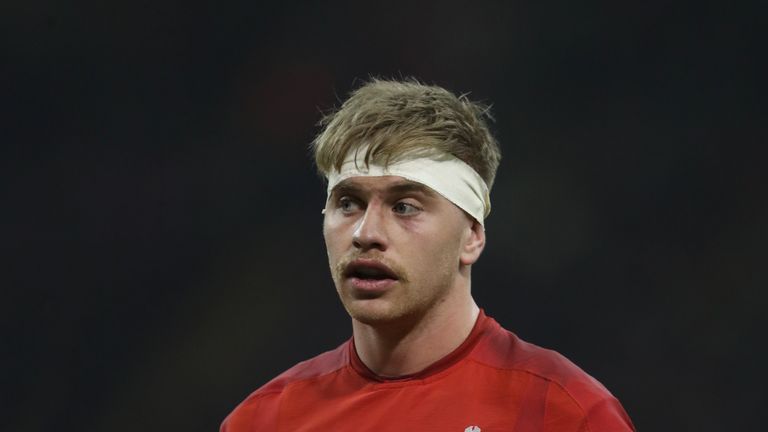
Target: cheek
(328,236)
(331,228)
(445,249)
(334,236)
(435,253)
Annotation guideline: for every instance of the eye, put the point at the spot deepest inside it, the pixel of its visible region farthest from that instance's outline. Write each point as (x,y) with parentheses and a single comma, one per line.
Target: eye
(348,205)
(404,208)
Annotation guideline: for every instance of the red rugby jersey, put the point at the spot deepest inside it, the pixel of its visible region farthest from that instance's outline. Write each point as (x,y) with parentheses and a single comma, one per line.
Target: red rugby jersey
(493,382)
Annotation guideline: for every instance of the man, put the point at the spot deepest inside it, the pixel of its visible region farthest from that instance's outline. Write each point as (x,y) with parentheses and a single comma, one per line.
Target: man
(409,170)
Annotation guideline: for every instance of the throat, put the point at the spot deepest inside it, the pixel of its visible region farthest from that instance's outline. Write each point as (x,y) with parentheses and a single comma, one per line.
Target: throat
(406,348)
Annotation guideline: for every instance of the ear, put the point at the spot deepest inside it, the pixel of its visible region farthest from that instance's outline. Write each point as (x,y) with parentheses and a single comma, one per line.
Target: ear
(473,244)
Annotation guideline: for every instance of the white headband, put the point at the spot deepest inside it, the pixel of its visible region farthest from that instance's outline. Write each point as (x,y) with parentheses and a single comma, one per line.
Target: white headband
(448,176)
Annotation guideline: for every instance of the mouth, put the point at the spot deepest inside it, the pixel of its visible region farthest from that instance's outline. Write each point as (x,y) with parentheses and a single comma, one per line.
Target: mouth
(368,269)
(370,276)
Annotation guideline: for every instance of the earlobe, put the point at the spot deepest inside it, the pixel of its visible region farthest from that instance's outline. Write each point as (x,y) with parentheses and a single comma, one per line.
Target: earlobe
(474,244)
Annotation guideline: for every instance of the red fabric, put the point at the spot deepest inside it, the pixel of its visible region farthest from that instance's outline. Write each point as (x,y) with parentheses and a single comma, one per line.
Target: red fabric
(494,381)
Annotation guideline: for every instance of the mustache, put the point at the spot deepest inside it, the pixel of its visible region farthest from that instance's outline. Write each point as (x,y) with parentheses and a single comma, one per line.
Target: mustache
(342,265)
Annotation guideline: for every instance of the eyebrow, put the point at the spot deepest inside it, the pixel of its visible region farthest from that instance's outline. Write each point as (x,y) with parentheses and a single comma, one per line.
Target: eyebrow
(410,186)
(401,187)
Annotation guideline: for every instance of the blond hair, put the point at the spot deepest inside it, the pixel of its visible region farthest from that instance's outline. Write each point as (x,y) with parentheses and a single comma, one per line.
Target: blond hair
(400,119)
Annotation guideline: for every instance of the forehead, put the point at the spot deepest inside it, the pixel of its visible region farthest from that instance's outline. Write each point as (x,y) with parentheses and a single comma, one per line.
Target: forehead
(382,185)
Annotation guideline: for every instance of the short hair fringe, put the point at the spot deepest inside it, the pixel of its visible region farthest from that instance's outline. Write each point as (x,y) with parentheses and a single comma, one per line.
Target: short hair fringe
(401,119)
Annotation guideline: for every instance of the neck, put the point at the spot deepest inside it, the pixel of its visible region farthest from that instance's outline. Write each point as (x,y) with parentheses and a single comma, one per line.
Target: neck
(412,344)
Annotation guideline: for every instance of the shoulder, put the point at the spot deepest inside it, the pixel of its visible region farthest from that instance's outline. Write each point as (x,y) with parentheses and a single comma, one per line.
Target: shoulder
(259,410)
(567,392)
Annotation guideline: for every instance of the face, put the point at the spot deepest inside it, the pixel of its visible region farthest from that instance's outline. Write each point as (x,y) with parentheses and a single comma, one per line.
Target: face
(396,248)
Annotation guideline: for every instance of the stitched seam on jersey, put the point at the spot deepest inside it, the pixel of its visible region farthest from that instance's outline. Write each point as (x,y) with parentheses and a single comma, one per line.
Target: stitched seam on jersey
(550,380)
(259,393)
(310,378)
(290,383)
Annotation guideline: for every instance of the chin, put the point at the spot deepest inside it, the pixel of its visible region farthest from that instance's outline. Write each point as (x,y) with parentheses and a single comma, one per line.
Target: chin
(372,317)
(378,312)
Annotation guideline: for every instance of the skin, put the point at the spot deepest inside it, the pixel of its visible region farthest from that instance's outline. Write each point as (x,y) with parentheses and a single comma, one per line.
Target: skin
(430,244)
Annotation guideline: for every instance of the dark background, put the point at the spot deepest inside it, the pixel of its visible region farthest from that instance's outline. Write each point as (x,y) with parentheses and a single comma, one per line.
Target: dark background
(161,220)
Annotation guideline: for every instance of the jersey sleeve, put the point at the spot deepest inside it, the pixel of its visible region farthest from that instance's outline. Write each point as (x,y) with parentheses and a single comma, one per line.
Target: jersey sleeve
(255,414)
(596,413)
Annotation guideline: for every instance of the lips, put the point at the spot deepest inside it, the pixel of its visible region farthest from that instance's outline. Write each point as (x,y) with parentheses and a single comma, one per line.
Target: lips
(369,278)
(370,270)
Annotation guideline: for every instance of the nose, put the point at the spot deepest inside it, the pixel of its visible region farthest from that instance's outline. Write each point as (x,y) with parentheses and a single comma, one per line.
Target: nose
(371,231)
